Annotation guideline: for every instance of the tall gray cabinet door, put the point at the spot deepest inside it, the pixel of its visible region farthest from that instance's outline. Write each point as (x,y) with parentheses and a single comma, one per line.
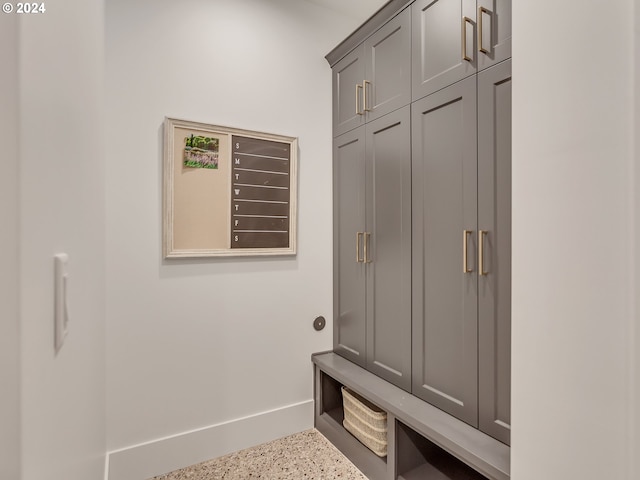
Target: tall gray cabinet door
(494,221)
(445,330)
(387,85)
(349,226)
(389,247)
(443,45)
(348,108)
(494,32)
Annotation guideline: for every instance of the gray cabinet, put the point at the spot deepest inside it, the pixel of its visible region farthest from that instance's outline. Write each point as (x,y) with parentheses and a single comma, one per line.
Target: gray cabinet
(375,78)
(445,328)
(372,247)
(388,149)
(494,272)
(349,272)
(452,39)
(462,250)
(443,45)
(422,206)
(348,76)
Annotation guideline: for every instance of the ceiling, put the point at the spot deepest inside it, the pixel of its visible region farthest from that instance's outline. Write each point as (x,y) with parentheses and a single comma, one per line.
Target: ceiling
(358,10)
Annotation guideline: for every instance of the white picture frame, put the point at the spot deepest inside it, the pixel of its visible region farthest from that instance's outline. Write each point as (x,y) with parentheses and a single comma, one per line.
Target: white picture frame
(228,191)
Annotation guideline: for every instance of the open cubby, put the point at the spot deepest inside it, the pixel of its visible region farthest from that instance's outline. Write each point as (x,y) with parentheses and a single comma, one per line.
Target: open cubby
(331,403)
(328,420)
(419,459)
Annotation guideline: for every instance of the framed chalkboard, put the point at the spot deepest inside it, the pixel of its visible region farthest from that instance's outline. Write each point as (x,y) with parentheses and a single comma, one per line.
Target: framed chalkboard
(228,191)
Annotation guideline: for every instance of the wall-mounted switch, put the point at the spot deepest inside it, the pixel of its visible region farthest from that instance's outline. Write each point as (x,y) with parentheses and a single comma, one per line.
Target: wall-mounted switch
(61,314)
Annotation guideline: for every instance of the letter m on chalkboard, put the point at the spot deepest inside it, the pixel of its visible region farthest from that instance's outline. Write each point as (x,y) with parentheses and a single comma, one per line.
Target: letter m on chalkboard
(237,161)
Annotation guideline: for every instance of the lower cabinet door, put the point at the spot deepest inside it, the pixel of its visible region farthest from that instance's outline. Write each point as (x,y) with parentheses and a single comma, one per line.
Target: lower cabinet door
(388,242)
(349,270)
(445,328)
(494,220)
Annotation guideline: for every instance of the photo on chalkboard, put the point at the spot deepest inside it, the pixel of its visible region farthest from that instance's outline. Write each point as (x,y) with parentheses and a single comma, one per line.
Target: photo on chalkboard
(228,191)
(201,151)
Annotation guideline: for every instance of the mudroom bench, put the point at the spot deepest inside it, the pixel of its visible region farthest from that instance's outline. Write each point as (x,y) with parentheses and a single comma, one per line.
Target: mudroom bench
(423,442)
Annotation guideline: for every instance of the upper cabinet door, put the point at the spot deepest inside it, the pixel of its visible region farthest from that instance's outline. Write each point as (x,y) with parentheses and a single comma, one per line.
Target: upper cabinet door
(444,44)
(387,80)
(494,32)
(348,76)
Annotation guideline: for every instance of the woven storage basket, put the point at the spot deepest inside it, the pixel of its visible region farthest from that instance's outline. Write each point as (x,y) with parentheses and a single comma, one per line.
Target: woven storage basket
(365,421)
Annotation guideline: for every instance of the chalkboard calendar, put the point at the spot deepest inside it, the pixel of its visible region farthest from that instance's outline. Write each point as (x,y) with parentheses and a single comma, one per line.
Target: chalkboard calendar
(260,193)
(228,191)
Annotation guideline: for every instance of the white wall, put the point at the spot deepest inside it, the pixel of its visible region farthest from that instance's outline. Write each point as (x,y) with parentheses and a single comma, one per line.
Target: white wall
(62,209)
(634,374)
(9,273)
(193,344)
(573,240)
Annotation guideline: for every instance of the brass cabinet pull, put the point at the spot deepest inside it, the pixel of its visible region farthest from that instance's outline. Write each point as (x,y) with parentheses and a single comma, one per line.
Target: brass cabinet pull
(465,236)
(367,239)
(466,57)
(482,10)
(481,235)
(358,111)
(364,90)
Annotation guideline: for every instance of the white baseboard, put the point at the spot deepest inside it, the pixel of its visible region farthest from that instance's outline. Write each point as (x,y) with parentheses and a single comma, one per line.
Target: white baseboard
(140,462)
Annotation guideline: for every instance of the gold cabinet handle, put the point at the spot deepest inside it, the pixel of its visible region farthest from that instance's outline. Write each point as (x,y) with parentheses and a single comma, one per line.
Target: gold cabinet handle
(367,240)
(481,11)
(466,57)
(358,259)
(481,236)
(465,236)
(365,83)
(358,111)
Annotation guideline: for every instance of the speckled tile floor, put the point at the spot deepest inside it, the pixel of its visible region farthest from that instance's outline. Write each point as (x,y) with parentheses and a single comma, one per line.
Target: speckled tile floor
(304,456)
